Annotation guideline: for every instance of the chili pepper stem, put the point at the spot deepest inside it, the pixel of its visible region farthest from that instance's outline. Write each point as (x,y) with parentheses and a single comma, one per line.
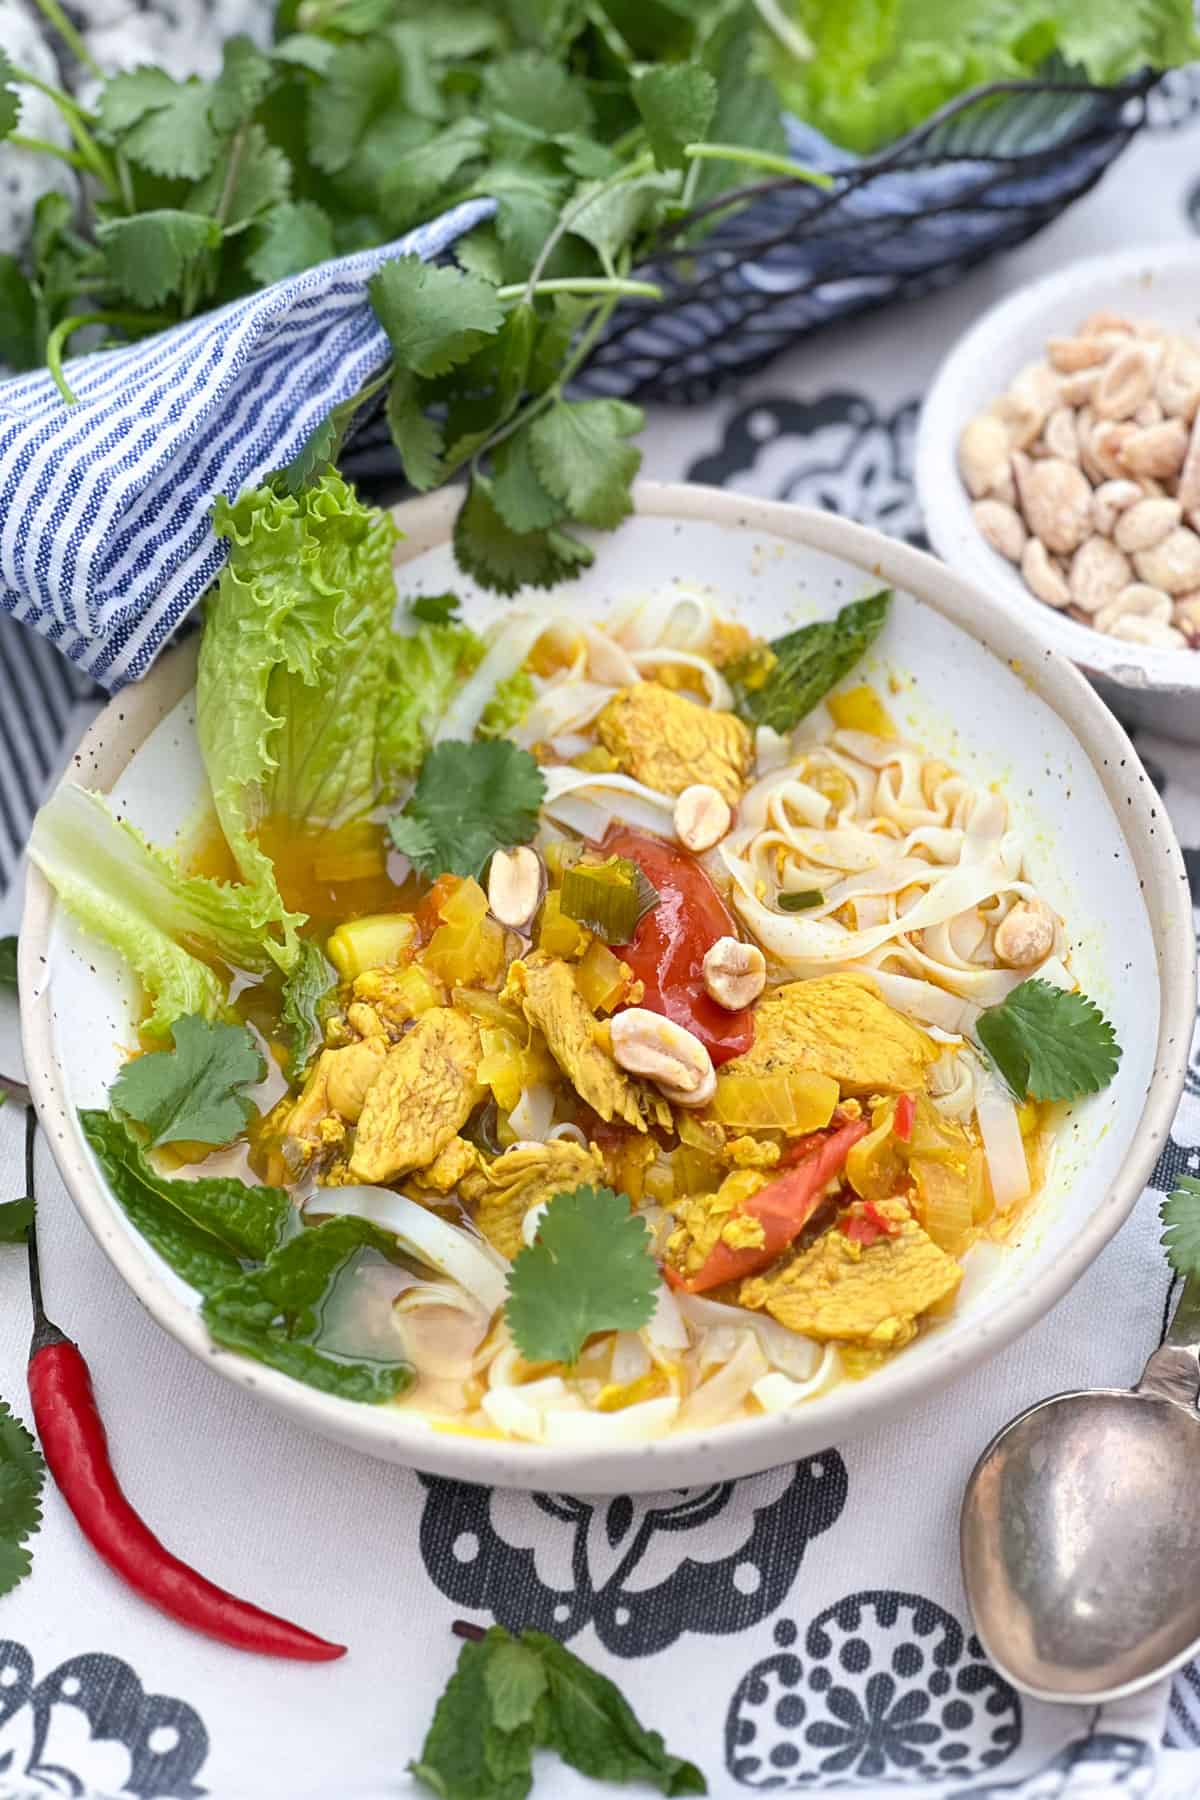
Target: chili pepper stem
(45,1331)
(463,1628)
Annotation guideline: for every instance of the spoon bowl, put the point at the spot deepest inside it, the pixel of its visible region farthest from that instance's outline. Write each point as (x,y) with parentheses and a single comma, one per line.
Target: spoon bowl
(1080,1533)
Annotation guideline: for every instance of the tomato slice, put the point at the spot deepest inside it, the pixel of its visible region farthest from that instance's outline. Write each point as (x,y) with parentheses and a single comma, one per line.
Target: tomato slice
(668,948)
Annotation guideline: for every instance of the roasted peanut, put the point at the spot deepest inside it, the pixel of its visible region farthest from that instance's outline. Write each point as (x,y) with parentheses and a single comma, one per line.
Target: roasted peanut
(735,973)
(702,817)
(646,1044)
(1025,935)
(516,883)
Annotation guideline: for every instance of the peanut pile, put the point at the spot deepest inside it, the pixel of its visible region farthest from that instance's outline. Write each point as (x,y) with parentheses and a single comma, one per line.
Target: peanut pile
(1086,474)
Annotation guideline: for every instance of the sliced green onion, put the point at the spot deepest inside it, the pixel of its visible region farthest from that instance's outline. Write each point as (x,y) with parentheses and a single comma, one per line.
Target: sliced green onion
(610,898)
(801,902)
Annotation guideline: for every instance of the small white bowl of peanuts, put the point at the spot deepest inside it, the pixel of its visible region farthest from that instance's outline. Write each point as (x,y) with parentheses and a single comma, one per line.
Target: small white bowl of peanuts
(1058,464)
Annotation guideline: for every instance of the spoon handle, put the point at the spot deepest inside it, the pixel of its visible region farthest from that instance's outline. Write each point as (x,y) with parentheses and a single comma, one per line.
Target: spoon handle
(1173,1372)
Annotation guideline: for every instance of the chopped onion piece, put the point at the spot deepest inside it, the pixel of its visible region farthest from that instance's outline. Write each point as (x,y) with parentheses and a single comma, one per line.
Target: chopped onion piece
(1003,1144)
(533,1115)
(629,1425)
(566,1131)
(776,1392)
(666,1328)
(718,1398)
(422,1234)
(786,1350)
(630,1359)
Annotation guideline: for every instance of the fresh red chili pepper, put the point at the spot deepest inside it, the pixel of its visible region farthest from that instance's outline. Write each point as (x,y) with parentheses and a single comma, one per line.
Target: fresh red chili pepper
(906,1112)
(667,950)
(75,1447)
(783,1208)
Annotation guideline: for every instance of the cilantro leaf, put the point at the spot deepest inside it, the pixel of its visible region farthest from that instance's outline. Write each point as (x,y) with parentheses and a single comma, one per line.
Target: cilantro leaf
(435,609)
(22,1473)
(147,255)
(419,439)
(295,236)
(203,1227)
(274,1313)
(470,799)
(580,454)
(511,1695)
(807,663)
(18,314)
(261,180)
(1048,1043)
(131,96)
(245,76)
(539,91)
(1180,1214)
(173,135)
(191,1094)
(8,962)
(314,455)
(415,179)
(16,1216)
(357,90)
(10,99)
(304,992)
(677,102)
(589,1270)
(434,317)
(522,500)
(615,215)
(504,560)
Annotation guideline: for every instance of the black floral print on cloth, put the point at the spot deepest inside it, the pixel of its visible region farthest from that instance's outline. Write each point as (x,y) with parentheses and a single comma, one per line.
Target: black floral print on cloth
(887,1687)
(642,1570)
(1107,1762)
(836,452)
(89,1727)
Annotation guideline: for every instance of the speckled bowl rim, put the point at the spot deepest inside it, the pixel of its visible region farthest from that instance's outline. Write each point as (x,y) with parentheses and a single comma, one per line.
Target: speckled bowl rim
(749,1446)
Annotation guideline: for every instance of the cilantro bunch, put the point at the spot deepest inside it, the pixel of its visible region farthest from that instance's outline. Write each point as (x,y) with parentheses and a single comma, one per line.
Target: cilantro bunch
(593,124)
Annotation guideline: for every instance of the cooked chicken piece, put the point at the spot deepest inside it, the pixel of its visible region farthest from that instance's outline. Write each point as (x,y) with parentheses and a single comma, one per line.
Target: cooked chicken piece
(546,990)
(349,1073)
(384,991)
(420,1098)
(521,1178)
(671,743)
(839,1025)
(312,1126)
(365,1020)
(870,1294)
(450,1165)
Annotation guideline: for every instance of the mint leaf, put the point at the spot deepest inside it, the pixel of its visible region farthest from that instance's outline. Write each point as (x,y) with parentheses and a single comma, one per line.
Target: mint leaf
(203,1227)
(514,1680)
(1180,1214)
(677,102)
(504,560)
(148,255)
(465,1755)
(435,609)
(590,1269)
(192,1093)
(434,317)
(296,236)
(16,1216)
(22,1474)
(416,436)
(8,962)
(307,988)
(1049,1043)
(807,663)
(470,800)
(273,1313)
(581,457)
(593,1727)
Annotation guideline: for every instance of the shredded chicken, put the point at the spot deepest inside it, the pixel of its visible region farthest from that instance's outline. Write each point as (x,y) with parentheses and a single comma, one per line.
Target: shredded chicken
(523,1177)
(421,1097)
(671,743)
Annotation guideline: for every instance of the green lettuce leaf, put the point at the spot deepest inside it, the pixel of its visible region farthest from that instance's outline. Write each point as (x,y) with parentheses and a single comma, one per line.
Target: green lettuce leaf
(310,706)
(134,898)
(881,66)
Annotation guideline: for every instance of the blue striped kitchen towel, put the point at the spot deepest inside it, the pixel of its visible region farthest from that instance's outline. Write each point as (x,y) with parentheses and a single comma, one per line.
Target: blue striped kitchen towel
(106,537)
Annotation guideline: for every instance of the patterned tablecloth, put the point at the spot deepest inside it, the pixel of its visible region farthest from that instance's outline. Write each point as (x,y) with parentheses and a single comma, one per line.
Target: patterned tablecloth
(798,1630)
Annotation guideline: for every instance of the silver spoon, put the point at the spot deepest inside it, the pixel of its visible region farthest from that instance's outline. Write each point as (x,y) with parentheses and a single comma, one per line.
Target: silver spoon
(1080,1531)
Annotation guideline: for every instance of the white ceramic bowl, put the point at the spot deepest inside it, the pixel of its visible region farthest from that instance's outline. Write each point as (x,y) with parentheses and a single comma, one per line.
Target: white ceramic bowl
(1156,688)
(984,692)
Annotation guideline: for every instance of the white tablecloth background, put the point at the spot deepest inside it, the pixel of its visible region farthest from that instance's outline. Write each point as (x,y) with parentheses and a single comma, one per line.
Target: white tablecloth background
(772,1629)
